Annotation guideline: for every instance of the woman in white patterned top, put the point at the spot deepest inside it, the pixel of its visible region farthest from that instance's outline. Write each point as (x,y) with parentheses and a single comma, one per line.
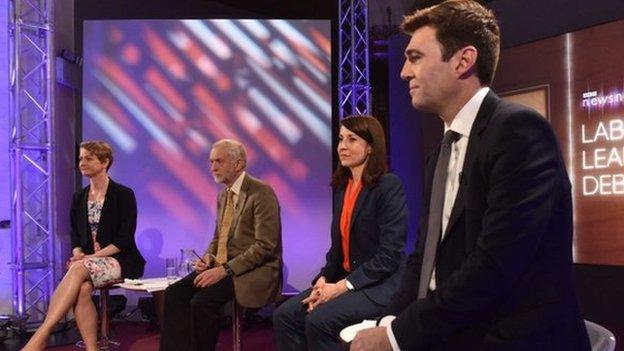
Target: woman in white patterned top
(103,221)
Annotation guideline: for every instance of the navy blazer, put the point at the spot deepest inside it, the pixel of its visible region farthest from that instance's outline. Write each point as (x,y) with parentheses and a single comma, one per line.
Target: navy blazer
(504,267)
(117,226)
(377,240)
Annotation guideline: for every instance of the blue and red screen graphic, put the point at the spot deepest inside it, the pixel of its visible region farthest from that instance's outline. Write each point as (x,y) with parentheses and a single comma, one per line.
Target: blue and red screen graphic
(162,91)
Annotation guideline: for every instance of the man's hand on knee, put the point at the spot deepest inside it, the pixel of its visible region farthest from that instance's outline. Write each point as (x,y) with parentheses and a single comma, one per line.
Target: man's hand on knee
(209,277)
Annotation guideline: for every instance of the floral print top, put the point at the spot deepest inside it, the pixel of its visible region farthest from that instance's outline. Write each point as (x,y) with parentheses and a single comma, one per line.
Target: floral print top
(94,210)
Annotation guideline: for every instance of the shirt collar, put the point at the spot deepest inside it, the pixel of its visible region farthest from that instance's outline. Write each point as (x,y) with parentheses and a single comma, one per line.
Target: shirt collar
(238,183)
(462,123)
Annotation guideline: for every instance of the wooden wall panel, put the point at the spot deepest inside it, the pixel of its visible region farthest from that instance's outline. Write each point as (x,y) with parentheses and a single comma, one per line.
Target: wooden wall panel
(584,79)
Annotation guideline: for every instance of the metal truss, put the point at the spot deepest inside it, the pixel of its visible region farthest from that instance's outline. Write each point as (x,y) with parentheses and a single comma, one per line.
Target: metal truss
(31,144)
(353,80)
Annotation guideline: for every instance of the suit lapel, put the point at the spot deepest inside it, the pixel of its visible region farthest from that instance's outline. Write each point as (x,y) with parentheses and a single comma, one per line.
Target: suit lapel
(240,204)
(338,203)
(358,204)
(459,204)
(221,208)
(83,220)
(107,206)
(432,159)
(483,116)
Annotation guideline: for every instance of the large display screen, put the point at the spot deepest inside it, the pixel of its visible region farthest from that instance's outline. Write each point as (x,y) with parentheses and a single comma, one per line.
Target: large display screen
(162,91)
(576,81)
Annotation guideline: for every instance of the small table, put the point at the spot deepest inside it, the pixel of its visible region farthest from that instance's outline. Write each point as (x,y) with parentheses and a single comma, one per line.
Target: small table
(155,286)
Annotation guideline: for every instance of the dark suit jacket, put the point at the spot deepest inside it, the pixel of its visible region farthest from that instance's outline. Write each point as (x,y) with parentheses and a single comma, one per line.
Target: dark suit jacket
(377,240)
(117,226)
(504,267)
(254,244)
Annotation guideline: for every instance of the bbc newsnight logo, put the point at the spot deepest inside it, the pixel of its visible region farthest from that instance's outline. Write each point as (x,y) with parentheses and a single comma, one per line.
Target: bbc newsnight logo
(592,99)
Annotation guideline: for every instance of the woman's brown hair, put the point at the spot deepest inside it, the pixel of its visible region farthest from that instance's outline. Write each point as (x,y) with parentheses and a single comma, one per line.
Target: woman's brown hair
(369,129)
(99,149)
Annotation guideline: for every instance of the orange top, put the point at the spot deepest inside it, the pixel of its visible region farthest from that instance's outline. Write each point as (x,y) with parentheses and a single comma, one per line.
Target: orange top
(348,204)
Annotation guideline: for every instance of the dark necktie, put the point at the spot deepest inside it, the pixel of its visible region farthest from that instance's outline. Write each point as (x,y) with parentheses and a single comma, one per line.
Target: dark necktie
(436,205)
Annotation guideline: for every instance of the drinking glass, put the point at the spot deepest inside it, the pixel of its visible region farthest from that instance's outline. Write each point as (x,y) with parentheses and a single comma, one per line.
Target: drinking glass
(171,269)
(187,262)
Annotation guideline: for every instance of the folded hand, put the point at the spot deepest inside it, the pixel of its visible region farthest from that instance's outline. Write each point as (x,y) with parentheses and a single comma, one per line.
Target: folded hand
(76,257)
(324,292)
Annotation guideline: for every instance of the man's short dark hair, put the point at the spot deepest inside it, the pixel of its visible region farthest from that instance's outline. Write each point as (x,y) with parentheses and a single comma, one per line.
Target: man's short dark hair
(459,23)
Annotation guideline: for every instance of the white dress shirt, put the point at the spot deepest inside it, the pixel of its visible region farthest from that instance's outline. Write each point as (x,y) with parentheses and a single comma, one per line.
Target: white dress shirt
(236,187)
(462,124)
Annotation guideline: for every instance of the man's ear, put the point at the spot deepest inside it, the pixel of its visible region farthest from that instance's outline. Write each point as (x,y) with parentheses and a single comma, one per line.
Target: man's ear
(240,165)
(466,60)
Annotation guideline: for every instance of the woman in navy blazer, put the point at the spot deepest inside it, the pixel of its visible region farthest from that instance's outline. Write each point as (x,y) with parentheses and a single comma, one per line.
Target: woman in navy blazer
(366,257)
(103,221)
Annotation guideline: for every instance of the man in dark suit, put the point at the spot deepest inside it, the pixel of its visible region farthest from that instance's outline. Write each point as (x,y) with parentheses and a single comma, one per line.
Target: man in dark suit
(493,265)
(243,261)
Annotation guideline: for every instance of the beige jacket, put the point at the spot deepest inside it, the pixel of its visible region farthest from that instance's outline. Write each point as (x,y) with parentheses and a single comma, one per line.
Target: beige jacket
(254,244)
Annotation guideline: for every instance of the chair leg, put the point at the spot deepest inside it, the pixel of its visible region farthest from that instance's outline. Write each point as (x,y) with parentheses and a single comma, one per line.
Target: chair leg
(104,316)
(236,326)
(105,343)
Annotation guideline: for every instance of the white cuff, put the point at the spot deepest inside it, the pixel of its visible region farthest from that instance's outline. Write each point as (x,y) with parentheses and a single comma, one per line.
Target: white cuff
(349,285)
(386,321)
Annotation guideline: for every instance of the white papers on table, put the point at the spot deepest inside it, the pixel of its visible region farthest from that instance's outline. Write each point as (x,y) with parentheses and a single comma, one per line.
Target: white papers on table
(149,284)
